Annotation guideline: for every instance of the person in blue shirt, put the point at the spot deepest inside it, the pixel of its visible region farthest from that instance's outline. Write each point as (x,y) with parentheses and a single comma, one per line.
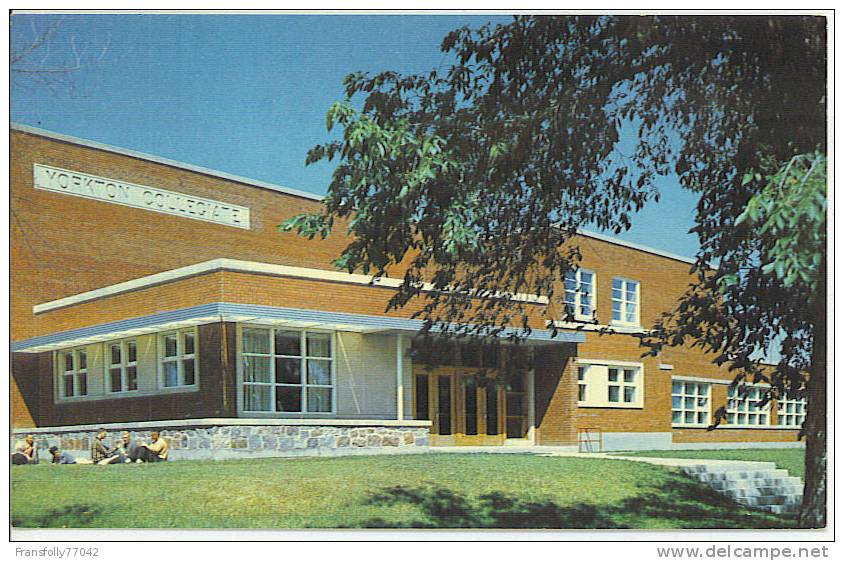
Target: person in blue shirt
(60,457)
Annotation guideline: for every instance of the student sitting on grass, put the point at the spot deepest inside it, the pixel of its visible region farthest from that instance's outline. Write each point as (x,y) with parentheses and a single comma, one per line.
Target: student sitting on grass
(18,456)
(154,452)
(127,450)
(102,454)
(60,457)
(30,451)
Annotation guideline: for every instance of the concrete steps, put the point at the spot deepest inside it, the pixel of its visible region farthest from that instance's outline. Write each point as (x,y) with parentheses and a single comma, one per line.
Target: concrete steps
(755,484)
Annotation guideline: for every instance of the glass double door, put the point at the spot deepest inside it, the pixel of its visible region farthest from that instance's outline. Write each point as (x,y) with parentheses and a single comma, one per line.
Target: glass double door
(466,412)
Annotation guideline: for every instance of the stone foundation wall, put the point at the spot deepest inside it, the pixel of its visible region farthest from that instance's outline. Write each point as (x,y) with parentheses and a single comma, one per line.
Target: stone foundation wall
(250,441)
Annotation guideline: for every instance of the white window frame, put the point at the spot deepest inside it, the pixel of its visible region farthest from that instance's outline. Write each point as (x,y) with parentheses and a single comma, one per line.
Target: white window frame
(179,358)
(796,418)
(303,369)
(76,373)
(579,297)
(596,379)
(124,365)
(737,406)
(697,408)
(623,301)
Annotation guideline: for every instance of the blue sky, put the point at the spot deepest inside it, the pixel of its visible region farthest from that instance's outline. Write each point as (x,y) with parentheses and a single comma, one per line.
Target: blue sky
(248,94)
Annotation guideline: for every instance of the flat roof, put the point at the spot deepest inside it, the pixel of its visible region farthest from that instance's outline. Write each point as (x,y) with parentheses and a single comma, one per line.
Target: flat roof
(279,188)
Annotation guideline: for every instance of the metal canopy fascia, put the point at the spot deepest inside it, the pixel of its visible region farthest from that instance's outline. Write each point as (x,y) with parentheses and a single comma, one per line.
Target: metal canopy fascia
(223,311)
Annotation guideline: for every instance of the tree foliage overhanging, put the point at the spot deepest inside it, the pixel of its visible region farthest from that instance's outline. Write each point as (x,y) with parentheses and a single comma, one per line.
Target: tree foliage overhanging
(474,177)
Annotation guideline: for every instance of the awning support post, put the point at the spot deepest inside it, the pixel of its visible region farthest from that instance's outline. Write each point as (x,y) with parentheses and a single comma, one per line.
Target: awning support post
(400,377)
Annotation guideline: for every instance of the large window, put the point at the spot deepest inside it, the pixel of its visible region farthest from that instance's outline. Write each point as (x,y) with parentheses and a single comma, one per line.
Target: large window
(625,301)
(177,356)
(610,384)
(791,412)
(73,367)
(690,403)
(744,410)
(580,294)
(621,385)
(123,366)
(287,371)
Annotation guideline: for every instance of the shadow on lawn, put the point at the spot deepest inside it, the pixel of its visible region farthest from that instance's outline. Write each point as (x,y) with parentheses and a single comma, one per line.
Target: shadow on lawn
(679,502)
(72,516)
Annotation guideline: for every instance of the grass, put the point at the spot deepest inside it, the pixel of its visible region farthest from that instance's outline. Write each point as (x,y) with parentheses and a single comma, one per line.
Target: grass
(792,459)
(421,491)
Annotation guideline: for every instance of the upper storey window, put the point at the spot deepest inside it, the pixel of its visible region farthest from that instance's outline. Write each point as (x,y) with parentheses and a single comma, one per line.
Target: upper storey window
(580,294)
(625,301)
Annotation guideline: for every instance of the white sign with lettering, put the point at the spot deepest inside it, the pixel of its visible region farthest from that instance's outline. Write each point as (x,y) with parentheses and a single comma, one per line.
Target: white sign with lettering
(139,196)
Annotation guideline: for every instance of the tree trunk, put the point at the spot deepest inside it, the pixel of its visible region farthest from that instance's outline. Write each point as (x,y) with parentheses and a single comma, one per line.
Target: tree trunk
(813,509)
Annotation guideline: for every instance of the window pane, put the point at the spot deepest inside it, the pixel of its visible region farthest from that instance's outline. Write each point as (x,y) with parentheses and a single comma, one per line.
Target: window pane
(581,393)
(612,375)
(676,417)
(616,310)
(83,360)
(612,394)
(115,354)
(288,343)
(631,292)
(116,384)
(630,315)
(82,380)
(189,344)
(68,362)
(701,418)
(256,369)
(690,417)
(170,345)
(422,411)
(581,373)
(586,277)
(68,385)
(676,402)
(616,285)
(319,344)
(288,399)
(702,389)
(689,402)
(257,398)
(319,372)
(629,394)
(132,378)
(190,375)
(288,371)
(629,376)
(132,349)
(171,374)
(676,387)
(319,400)
(256,340)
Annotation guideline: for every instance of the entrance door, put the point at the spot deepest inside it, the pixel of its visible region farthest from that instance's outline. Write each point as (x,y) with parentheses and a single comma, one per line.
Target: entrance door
(517,420)
(462,411)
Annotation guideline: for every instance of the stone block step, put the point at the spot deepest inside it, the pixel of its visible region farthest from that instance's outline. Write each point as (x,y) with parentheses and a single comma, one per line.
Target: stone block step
(727,484)
(770,500)
(743,475)
(764,491)
(781,509)
(728,467)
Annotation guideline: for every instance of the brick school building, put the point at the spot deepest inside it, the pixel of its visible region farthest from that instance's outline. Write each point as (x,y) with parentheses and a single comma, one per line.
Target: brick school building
(149,294)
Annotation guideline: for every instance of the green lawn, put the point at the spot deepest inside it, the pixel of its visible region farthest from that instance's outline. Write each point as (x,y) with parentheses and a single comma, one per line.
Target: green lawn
(792,459)
(428,491)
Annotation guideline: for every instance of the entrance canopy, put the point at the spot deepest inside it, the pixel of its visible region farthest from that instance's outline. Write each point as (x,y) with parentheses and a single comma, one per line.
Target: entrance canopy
(230,312)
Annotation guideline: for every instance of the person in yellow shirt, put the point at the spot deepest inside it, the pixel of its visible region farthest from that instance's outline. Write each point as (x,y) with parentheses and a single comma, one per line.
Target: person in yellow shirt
(156,451)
